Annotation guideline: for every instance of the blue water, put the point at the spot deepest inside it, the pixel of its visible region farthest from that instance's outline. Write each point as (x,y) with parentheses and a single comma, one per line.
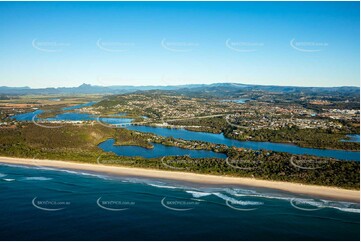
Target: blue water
(115,121)
(65,116)
(70,117)
(49,204)
(26,116)
(240,101)
(120,114)
(352,138)
(221,139)
(80,106)
(159,150)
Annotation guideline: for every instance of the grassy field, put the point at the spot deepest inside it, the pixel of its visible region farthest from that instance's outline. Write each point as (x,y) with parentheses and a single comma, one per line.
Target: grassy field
(47,101)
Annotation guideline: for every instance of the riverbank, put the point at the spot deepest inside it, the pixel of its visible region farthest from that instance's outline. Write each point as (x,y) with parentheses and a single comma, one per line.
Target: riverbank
(318,191)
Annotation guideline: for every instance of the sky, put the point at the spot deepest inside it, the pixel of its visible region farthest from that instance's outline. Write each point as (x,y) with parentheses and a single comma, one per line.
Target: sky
(64,44)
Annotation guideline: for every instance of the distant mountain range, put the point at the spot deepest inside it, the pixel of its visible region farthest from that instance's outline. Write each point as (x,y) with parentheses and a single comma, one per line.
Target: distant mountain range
(192,88)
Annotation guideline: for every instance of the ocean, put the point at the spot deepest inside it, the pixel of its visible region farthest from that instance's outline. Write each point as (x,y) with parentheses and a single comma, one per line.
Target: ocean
(57,204)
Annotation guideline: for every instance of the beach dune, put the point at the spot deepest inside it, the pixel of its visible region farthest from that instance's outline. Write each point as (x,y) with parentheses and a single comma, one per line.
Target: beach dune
(313,190)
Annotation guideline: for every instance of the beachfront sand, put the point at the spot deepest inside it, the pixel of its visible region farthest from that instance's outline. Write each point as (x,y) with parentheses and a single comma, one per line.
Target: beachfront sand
(319,191)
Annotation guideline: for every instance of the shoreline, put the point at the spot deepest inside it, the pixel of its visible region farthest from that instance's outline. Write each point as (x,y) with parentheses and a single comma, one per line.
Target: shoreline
(296,188)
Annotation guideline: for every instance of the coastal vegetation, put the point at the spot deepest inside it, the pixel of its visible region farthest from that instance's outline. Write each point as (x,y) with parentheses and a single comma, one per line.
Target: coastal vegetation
(80,143)
(311,138)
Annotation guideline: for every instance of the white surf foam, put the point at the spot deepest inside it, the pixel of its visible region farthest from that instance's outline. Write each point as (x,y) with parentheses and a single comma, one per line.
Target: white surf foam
(38,178)
(235,201)
(8,179)
(57,169)
(307,202)
(349,210)
(196,194)
(163,186)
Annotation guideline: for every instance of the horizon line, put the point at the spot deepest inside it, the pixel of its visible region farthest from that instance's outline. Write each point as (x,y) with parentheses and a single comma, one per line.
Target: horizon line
(177,85)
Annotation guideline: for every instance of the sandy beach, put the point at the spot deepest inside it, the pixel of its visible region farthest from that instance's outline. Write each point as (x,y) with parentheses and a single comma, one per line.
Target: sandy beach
(318,191)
